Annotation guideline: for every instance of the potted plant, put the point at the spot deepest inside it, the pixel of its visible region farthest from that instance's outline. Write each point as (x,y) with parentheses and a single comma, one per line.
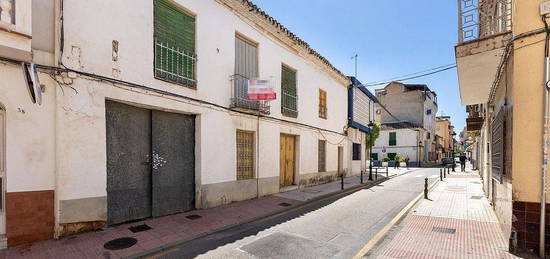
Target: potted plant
(385,161)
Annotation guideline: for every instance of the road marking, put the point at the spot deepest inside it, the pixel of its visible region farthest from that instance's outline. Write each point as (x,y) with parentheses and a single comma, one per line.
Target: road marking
(386,228)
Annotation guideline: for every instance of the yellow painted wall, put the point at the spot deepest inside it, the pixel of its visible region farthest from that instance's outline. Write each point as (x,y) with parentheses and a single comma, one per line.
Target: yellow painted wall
(444,133)
(527,91)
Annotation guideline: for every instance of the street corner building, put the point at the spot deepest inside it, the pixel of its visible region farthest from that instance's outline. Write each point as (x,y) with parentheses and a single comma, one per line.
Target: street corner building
(407,114)
(501,60)
(109,117)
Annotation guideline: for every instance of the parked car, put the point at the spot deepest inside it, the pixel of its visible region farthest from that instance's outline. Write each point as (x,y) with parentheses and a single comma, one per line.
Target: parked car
(447,161)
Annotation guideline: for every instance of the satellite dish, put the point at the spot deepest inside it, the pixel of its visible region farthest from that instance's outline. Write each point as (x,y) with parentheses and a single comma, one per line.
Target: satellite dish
(33,83)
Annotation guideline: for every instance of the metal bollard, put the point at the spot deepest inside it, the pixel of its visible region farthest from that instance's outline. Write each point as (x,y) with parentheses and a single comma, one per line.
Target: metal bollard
(361,176)
(342,181)
(387,174)
(376,173)
(444,174)
(441,174)
(426,188)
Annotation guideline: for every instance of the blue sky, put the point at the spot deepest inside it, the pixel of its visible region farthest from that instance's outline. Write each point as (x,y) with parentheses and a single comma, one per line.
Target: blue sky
(391,37)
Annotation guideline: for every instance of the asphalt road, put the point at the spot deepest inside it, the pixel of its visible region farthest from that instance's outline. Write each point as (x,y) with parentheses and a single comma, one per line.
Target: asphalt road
(337,227)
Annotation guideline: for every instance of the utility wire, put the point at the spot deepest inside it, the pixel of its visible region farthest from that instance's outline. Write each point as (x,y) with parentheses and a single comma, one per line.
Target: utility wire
(411,77)
(411,74)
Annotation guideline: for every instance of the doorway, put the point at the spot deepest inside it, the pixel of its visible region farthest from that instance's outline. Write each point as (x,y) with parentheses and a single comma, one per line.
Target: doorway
(287,159)
(150,163)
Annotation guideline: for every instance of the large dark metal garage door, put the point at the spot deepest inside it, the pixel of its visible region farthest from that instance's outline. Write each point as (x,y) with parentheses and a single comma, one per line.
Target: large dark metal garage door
(173,163)
(150,163)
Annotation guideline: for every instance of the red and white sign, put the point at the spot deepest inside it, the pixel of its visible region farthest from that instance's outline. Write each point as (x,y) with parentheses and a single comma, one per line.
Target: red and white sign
(260,90)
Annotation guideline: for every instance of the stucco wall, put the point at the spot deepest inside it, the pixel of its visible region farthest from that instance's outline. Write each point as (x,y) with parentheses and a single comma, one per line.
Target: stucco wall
(406,144)
(528,92)
(30,139)
(81,116)
(405,105)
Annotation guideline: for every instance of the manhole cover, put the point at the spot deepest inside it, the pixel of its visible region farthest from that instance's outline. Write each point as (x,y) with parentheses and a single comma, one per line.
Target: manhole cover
(120,243)
(139,228)
(310,191)
(444,230)
(284,204)
(193,217)
(476,197)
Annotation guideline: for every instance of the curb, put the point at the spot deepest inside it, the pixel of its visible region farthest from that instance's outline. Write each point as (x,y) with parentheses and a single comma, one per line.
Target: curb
(376,239)
(154,253)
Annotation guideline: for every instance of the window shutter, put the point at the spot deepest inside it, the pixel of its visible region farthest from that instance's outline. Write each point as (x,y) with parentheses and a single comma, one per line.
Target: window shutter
(289,94)
(174,26)
(393,139)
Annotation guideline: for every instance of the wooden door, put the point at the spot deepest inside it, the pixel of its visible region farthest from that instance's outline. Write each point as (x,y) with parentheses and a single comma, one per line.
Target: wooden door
(287,160)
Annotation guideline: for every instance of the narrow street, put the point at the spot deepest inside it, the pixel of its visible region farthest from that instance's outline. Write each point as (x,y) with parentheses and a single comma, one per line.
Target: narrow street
(334,227)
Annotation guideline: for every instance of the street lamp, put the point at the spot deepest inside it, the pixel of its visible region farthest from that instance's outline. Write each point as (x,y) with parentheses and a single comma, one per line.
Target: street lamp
(371,128)
(453,152)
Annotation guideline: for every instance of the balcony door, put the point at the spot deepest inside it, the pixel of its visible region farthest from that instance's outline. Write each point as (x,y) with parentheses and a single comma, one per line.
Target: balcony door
(246,68)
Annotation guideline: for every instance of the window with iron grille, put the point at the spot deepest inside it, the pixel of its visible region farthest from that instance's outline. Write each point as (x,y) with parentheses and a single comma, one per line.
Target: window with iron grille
(322,156)
(393,139)
(356,151)
(174,41)
(322,104)
(498,144)
(289,97)
(245,155)
(392,156)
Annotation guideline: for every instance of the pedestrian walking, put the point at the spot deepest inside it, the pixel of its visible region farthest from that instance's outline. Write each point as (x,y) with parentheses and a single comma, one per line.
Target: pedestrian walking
(407,159)
(463,163)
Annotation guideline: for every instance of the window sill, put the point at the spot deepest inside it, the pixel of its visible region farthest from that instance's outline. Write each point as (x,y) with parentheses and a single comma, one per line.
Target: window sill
(193,87)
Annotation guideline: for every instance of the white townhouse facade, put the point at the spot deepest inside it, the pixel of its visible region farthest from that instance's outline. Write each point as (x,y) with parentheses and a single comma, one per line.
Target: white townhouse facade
(113,111)
(408,106)
(403,139)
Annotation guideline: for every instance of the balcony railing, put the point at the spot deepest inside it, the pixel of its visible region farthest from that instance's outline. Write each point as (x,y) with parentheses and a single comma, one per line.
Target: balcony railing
(7,11)
(483,18)
(239,96)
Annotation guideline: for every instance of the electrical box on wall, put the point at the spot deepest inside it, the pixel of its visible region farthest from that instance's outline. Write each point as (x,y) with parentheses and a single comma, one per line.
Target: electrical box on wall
(545,8)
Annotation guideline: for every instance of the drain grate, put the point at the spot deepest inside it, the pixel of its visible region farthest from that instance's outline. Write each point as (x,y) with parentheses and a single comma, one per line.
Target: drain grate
(444,230)
(475,197)
(284,204)
(120,243)
(139,228)
(194,217)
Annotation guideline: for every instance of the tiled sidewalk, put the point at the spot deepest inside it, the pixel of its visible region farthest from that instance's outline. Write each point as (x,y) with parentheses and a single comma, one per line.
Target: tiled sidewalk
(458,222)
(175,228)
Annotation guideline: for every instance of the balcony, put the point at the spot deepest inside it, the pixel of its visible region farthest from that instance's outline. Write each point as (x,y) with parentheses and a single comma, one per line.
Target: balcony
(484,31)
(15,29)
(239,96)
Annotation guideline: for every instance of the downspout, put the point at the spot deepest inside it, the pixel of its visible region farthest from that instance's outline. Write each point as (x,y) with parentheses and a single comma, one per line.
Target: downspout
(542,230)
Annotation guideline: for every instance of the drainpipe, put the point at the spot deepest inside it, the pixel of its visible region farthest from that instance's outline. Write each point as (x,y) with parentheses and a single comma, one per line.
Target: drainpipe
(542,243)
(544,158)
